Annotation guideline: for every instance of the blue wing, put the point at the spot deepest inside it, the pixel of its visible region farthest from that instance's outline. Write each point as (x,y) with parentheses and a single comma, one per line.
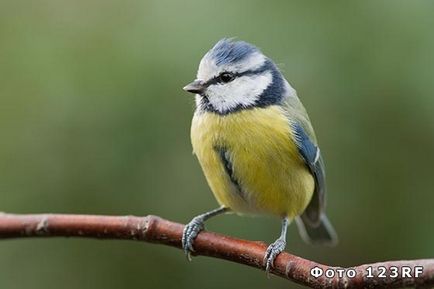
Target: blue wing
(312,157)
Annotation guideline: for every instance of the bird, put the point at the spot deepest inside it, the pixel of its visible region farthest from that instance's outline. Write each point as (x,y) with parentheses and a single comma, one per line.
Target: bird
(256,146)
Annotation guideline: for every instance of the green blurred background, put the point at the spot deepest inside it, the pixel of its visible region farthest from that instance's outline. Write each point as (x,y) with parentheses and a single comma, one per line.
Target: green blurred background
(93,120)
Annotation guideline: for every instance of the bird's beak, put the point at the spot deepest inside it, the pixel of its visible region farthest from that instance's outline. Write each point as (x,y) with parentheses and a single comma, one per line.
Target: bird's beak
(196,87)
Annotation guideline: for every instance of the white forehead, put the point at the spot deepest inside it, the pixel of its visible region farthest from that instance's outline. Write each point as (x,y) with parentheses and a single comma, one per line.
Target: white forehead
(208,67)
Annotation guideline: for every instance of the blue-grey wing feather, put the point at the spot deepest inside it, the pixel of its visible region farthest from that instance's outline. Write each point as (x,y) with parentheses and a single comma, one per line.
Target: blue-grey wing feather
(312,157)
(307,145)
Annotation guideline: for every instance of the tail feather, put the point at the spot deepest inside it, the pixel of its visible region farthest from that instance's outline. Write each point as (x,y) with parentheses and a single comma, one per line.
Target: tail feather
(321,234)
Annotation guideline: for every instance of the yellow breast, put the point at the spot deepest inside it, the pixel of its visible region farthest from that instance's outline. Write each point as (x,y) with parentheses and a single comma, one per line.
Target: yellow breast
(264,158)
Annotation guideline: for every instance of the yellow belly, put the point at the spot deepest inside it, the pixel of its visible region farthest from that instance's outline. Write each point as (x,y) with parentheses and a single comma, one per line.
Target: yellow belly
(265,161)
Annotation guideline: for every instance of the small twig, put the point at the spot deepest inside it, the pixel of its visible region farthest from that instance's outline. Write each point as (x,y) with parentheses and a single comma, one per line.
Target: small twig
(156,230)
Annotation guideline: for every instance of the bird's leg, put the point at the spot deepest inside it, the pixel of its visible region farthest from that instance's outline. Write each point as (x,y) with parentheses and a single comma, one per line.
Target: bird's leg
(196,225)
(276,248)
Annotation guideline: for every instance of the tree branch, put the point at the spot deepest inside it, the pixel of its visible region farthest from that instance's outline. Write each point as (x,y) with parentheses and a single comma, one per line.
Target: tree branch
(156,230)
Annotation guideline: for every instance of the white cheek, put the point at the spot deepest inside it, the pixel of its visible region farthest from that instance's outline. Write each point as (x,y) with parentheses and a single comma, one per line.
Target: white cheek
(243,91)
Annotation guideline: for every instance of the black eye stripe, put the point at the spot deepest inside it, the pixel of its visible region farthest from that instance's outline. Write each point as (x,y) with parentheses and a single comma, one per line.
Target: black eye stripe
(216,79)
(226,77)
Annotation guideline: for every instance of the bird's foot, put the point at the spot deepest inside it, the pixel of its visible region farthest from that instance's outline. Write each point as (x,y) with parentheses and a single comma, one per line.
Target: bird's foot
(272,251)
(190,233)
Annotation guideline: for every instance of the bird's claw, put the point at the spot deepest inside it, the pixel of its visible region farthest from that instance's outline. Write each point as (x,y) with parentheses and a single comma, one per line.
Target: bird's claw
(272,251)
(191,231)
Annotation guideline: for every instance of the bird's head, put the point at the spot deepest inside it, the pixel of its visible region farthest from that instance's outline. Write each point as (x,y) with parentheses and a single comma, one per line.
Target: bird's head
(235,75)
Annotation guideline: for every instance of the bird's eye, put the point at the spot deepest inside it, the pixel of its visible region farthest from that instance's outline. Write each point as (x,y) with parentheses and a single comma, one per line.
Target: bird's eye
(226,77)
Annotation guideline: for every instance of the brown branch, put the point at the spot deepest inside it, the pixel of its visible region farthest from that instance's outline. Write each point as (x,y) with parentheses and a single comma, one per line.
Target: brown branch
(156,230)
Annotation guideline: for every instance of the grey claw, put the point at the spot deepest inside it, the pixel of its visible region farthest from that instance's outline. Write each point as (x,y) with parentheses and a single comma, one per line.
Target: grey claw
(272,251)
(190,232)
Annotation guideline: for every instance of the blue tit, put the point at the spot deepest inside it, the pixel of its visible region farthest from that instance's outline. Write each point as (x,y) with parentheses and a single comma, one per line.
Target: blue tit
(256,146)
